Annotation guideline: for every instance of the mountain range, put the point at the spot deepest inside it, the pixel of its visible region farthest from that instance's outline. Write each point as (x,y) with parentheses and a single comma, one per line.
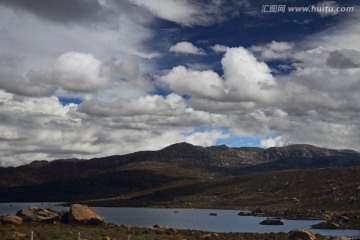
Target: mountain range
(180,169)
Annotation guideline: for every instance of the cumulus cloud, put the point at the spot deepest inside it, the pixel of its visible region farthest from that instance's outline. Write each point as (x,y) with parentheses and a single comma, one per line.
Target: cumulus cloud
(79,72)
(16,79)
(245,79)
(204,84)
(72,71)
(186,48)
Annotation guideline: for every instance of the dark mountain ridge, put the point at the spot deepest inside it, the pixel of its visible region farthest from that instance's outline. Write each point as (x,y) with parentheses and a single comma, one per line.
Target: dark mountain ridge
(120,174)
(185,155)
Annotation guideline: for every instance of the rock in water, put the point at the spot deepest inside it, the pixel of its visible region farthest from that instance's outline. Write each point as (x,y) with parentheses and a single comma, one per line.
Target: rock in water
(36,214)
(301,234)
(81,214)
(272,221)
(11,219)
(327,225)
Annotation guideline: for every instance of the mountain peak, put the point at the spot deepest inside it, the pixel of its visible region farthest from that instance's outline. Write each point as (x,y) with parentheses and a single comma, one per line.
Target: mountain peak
(181,145)
(219,147)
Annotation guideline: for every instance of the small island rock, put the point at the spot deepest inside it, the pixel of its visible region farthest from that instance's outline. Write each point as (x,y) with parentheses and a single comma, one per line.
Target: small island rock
(272,221)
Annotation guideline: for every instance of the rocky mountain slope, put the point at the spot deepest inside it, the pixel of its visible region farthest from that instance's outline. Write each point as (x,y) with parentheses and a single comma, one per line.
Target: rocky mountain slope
(175,165)
(333,189)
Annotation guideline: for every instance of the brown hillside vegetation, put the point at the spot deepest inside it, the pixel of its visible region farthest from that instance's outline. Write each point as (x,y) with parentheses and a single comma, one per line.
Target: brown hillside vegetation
(330,188)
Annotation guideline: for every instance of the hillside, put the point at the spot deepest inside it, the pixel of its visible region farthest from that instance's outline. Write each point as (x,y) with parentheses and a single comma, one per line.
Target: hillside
(335,189)
(181,168)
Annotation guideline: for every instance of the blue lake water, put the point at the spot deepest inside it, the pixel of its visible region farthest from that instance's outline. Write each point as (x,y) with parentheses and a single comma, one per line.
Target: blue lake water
(195,219)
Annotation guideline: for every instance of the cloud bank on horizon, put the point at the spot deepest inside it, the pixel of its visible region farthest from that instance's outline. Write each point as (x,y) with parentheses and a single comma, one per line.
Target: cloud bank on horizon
(102,77)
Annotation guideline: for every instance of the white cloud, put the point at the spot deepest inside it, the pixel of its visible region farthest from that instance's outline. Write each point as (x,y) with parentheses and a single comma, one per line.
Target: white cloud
(273,142)
(245,79)
(172,105)
(208,138)
(320,95)
(273,50)
(127,70)
(219,48)
(317,103)
(204,84)
(44,40)
(333,74)
(186,48)
(172,10)
(191,13)
(345,34)
(41,128)
(79,72)
(72,72)
(16,79)
(32,40)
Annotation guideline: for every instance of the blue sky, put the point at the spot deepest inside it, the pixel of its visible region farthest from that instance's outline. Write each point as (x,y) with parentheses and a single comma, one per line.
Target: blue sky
(102,77)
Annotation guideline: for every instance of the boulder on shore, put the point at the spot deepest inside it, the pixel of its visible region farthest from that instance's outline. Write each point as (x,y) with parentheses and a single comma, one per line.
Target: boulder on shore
(11,219)
(301,234)
(83,215)
(36,214)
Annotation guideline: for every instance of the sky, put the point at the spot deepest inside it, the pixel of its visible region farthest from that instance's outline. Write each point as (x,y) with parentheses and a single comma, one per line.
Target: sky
(91,78)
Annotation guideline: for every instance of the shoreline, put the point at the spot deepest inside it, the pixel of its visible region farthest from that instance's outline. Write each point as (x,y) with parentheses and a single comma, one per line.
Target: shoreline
(80,220)
(332,220)
(109,231)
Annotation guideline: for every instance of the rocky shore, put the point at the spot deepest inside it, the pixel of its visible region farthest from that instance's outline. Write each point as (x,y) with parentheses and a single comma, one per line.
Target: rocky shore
(82,223)
(332,219)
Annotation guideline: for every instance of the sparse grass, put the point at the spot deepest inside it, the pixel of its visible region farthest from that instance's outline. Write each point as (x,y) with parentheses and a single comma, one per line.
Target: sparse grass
(70,232)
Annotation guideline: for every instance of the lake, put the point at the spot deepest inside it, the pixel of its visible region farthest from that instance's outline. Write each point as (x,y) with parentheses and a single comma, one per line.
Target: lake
(195,219)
